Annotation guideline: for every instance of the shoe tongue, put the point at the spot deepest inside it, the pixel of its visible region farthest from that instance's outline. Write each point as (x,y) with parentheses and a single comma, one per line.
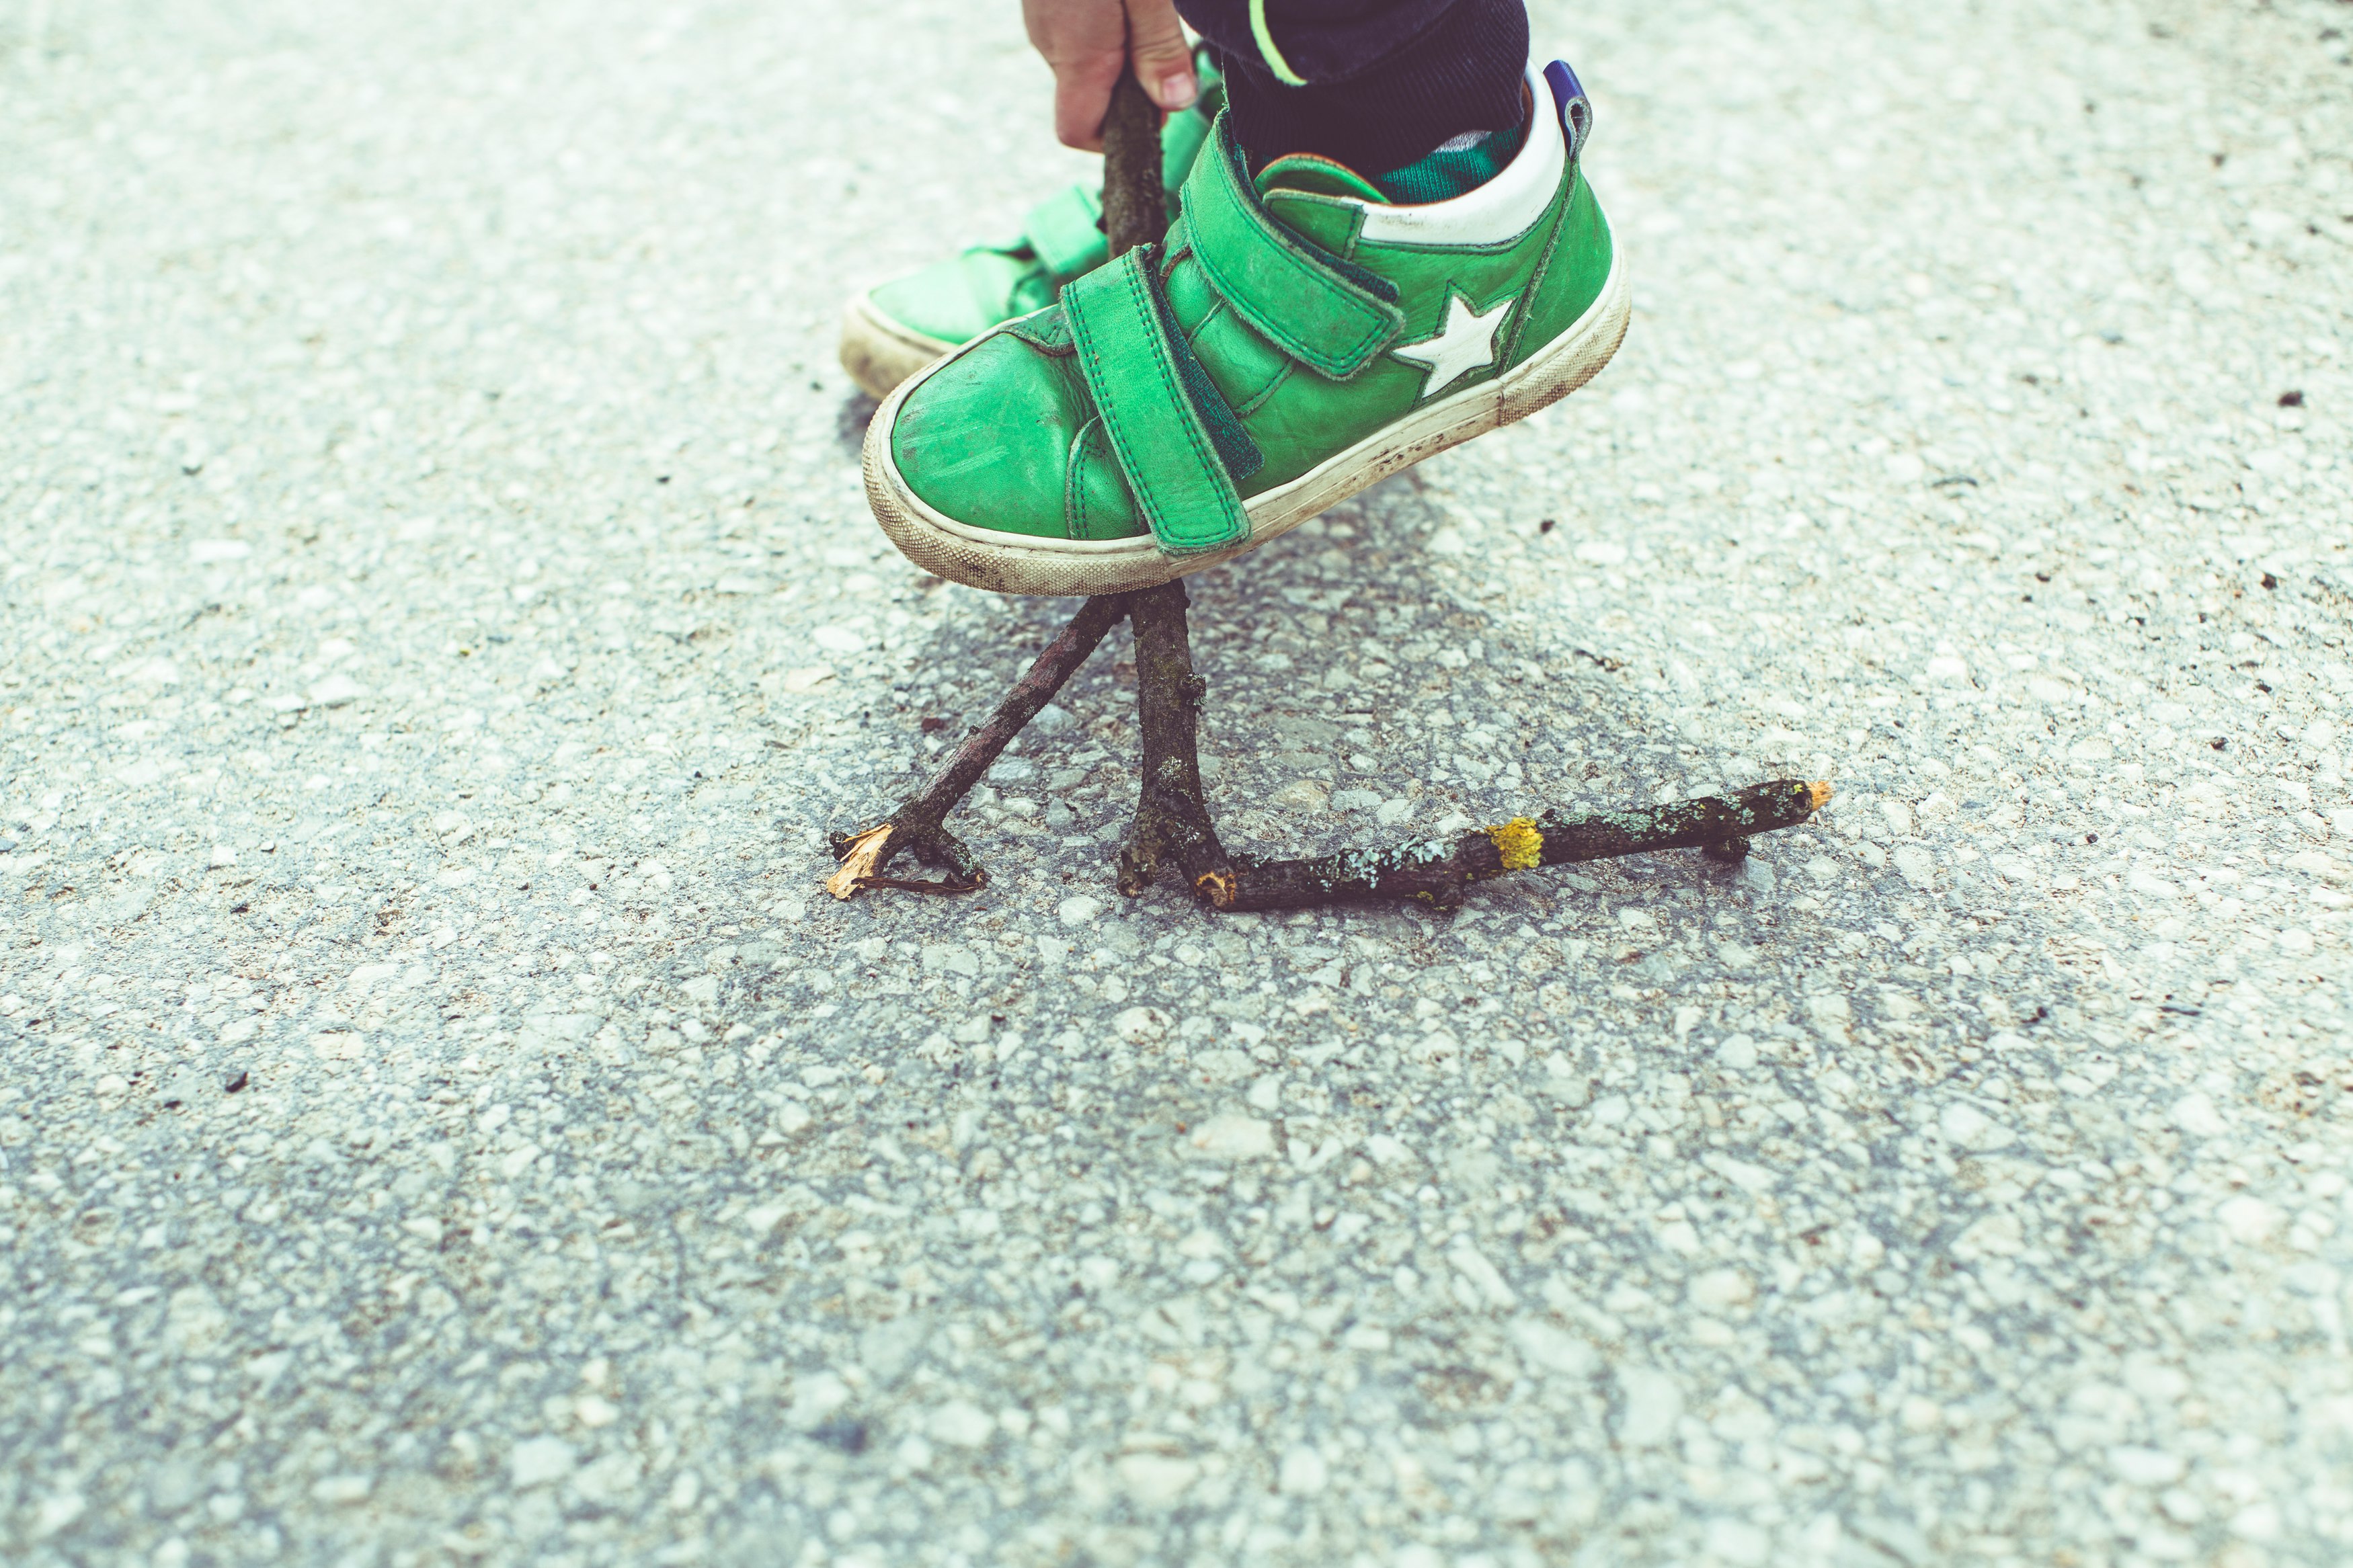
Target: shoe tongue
(1316,175)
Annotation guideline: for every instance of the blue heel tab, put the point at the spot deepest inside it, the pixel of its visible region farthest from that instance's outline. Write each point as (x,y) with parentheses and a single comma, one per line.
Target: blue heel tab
(1576,108)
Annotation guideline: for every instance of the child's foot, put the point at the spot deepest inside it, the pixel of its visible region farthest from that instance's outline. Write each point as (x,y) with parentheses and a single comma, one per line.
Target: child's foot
(894,330)
(1294,340)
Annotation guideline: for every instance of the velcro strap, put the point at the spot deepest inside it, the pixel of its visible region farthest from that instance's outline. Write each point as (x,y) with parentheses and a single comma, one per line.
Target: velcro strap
(1291,292)
(1164,448)
(1063,231)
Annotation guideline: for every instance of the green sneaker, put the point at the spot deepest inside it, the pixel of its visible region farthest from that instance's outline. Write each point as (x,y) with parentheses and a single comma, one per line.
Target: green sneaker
(892,332)
(1295,338)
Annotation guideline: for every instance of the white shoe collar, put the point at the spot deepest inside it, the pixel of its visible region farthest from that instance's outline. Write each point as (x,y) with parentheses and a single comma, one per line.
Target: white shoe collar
(1503,208)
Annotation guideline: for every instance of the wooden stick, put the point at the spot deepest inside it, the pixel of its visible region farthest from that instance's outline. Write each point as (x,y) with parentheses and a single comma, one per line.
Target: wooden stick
(1172,818)
(1135,204)
(1172,825)
(1436,870)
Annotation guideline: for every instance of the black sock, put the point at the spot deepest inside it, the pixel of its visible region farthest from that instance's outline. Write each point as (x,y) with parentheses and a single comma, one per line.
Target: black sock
(1381,82)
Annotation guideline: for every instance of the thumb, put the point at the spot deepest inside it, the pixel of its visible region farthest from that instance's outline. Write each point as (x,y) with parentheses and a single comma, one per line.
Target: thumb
(1163,60)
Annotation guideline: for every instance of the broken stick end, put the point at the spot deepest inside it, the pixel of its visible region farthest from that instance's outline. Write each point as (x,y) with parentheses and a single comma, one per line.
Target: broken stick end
(859,858)
(1821,792)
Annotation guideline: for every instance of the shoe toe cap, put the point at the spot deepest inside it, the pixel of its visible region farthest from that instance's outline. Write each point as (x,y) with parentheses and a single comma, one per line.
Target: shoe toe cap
(984,439)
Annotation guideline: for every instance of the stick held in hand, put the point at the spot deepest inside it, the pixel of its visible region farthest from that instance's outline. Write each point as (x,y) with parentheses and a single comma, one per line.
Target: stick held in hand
(1134,208)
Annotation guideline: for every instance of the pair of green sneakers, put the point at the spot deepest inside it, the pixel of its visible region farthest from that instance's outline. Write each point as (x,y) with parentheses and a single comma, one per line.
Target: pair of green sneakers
(1297,336)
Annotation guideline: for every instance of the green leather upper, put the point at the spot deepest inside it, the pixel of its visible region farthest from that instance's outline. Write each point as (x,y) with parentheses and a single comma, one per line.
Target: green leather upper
(1298,334)
(1065,233)
(1290,292)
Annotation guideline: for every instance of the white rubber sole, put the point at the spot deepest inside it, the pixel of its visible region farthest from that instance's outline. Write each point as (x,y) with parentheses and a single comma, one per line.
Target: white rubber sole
(880,353)
(1023,563)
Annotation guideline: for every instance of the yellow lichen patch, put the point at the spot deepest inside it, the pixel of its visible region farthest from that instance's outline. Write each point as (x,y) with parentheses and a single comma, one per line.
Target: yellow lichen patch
(864,851)
(1520,844)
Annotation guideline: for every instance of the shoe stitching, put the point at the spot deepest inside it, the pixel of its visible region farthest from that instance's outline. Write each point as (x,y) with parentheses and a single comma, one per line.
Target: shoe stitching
(1245,406)
(1265,395)
(1078,515)
(1140,292)
(1518,328)
(1386,324)
(1165,530)
(1361,350)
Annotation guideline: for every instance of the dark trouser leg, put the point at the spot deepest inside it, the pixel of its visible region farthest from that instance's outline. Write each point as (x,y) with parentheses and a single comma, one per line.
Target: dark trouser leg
(1384,80)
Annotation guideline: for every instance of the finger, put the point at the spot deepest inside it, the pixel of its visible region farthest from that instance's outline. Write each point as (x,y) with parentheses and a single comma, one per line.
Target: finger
(1082,98)
(1085,43)
(1164,61)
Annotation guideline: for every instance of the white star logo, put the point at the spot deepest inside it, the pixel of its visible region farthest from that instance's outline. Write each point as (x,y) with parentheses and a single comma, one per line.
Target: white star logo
(1466,343)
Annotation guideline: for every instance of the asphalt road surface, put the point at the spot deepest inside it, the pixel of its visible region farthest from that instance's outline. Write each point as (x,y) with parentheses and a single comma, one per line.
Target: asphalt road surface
(443,1121)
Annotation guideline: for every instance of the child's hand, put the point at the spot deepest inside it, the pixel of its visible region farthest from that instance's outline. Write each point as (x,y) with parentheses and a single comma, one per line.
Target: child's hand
(1087,41)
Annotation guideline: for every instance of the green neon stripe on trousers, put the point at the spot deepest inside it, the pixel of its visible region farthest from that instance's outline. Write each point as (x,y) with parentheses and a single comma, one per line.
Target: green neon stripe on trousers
(1275,61)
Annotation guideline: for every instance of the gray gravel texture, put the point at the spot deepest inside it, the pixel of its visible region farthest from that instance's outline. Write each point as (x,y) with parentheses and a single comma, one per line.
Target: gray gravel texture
(443,1121)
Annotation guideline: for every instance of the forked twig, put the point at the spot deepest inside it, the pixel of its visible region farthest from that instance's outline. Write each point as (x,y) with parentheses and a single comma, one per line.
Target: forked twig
(1172,826)
(914,825)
